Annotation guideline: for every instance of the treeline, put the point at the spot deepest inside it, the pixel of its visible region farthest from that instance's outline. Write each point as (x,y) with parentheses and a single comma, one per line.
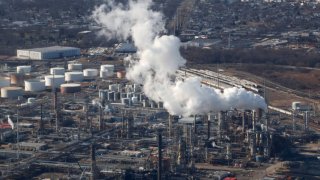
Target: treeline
(289,57)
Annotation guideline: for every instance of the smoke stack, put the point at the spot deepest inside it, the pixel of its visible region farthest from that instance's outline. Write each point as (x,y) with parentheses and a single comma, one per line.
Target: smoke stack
(123,126)
(195,124)
(293,120)
(252,140)
(243,122)
(254,120)
(100,119)
(209,123)
(130,126)
(306,120)
(170,126)
(55,108)
(93,162)
(221,123)
(40,129)
(159,155)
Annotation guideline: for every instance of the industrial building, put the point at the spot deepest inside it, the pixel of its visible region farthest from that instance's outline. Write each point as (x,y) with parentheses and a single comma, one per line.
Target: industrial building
(53,52)
(125,48)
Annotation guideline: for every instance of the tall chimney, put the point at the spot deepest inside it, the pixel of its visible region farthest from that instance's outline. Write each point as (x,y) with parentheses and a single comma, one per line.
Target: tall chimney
(40,130)
(93,162)
(306,120)
(130,126)
(159,155)
(170,126)
(254,120)
(209,124)
(100,118)
(195,125)
(243,122)
(55,107)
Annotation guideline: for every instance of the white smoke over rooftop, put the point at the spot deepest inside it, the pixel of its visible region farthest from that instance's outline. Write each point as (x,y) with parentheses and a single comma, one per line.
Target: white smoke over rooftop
(160,58)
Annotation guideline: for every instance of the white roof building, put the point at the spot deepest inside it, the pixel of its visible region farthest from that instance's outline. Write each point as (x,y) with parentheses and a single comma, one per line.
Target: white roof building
(53,52)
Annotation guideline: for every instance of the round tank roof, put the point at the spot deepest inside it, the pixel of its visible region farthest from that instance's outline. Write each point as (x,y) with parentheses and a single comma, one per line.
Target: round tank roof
(70,85)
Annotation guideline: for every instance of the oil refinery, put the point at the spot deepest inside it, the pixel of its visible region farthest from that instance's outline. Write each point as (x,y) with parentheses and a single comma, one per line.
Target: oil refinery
(140,110)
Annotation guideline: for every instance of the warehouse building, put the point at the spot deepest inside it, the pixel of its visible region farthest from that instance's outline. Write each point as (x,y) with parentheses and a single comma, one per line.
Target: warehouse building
(53,52)
(126,48)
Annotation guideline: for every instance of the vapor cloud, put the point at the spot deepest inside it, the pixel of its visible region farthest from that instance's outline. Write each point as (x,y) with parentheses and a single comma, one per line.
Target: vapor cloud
(159,58)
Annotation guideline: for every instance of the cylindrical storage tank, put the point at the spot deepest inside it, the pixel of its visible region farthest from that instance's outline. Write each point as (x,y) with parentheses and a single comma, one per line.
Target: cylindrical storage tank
(121,74)
(75,67)
(17,79)
(106,74)
(90,73)
(70,88)
(55,80)
(31,100)
(107,67)
(4,82)
(23,69)
(11,92)
(57,71)
(34,85)
(73,76)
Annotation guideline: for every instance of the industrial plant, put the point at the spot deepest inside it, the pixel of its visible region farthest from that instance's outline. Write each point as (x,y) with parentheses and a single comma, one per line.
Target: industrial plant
(138,110)
(86,120)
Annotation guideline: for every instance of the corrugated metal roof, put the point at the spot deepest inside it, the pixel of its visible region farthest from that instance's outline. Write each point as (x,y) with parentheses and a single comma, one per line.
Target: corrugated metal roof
(52,48)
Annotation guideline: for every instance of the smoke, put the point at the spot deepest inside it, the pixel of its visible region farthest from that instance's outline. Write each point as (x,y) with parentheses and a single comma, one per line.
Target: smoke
(159,58)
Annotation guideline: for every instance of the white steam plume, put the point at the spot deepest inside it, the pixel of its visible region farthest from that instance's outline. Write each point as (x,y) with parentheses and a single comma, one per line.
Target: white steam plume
(160,58)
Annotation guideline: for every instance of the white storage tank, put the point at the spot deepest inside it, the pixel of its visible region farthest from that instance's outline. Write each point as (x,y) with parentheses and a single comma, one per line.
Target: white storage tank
(34,85)
(57,71)
(11,92)
(90,73)
(23,69)
(57,80)
(70,88)
(4,82)
(106,74)
(74,76)
(107,67)
(75,67)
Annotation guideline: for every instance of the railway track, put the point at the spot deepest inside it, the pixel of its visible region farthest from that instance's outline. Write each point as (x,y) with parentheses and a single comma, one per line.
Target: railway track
(219,80)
